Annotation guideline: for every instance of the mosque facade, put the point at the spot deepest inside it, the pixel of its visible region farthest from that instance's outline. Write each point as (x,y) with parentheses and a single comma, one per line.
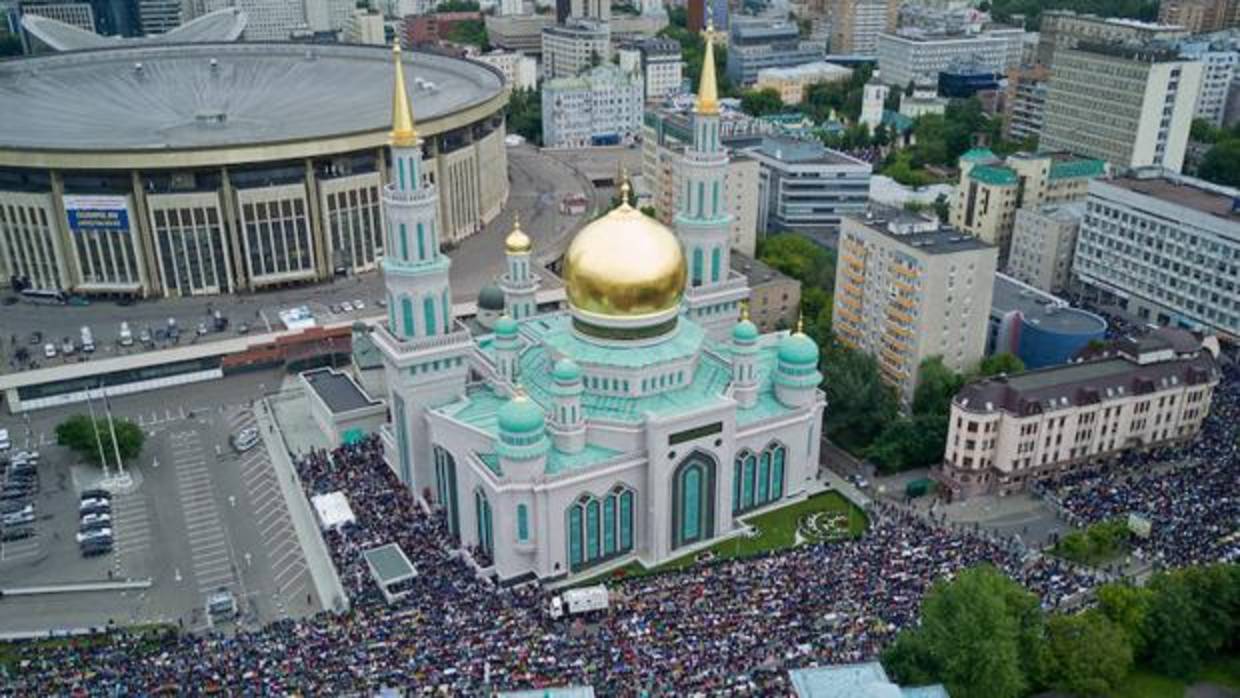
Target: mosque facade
(639,424)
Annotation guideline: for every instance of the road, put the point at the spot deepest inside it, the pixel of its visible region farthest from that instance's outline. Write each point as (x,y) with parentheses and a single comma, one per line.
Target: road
(538,183)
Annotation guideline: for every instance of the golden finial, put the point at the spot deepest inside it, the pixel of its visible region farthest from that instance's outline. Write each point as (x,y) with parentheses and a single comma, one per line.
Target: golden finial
(625,188)
(403,132)
(801,322)
(517,240)
(708,89)
(744,311)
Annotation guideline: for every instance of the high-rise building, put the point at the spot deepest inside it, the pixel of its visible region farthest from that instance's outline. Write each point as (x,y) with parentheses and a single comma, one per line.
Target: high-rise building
(1200,16)
(570,48)
(365,27)
(907,289)
(695,15)
(1024,104)
(661,65)
(273,20)
(159,16)
(598,10)
(330,16)
(991,191)
(1164,247)
(602,106)
(856,24)
(916,56)
(1219,56)
(873,102)
(757,44)
(1007,432)
(1064,29)
(520,71)
(1043,245)
(1129,106)
(713,292)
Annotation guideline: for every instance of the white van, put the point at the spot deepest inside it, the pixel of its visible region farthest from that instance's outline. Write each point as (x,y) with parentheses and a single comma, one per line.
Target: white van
(4,440)
(126,336)
(88,340)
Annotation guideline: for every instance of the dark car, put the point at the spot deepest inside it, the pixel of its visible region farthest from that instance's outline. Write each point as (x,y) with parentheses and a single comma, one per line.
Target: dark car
(95,509)
(12,533)
(94,526)
(95,548)
(11,495)
(96,494)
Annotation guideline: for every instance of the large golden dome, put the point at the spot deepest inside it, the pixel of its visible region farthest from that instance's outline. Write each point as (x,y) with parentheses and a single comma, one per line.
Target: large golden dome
(624,264)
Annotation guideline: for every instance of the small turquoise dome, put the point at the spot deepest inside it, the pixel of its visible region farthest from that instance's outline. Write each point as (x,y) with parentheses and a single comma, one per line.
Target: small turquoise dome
(745,331)
(798,349)
(491,298)
(566,371)
(506,327)
(521,415)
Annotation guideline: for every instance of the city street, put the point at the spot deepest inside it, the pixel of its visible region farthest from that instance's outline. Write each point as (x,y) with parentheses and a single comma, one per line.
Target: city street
(538,183)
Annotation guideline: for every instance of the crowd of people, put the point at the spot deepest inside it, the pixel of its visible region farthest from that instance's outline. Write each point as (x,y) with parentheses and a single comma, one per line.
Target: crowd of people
(720,628)
(1189,494)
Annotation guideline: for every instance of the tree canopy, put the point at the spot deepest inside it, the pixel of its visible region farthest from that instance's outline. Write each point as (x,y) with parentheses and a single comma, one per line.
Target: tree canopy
(801,258)
(1222,163)
(1088,654)
(77,434)
(525,114)
(861,403)
(761,102)
(1003,10)
(1003,362)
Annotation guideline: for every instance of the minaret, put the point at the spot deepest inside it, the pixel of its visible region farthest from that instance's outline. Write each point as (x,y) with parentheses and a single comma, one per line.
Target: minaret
(702,221)
(568,420)
(423,350)
(519,283)
(507,348)
(796,373)
(744,360)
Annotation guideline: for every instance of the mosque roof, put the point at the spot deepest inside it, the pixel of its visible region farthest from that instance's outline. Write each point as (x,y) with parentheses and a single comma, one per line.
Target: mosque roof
(490,297)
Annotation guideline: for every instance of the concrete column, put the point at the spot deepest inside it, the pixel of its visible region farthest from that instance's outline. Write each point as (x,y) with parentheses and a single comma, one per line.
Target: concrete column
(144,238)
(73,266)
(233,234)
(318,230)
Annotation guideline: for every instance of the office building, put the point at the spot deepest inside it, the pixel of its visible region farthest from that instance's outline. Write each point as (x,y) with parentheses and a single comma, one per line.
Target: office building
(907,289)
(430,29)
(701,13)
(804,186)
(661,66)
(1007,432)
(332,16)
(953,18)
(1131,107)
(569,49)
(1038,328)
(991,191)
(1043,245)
(1200,16)
(517,32)
(1064,29)
(511,7)
(160,16)
(774,298)
(757,44)
(1219,56)
(856,24)
(790,83)
(273,20)
(597,10)
(520,71)
(365,27)
(1166,248)
(965,80)
(873,103)
(915,56)
(1025,102)
(602,106)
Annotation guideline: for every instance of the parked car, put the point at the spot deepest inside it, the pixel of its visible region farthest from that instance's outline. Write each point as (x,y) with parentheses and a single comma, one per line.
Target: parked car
(245,439)
(16,508)
(8,495)
(18,518)
(346,306)
(382,302)
(96,494)
(100,534)
(66,346)
(90,502)
(95,548)
(96,509)
(145,336)
(126,335)
(49,350)
(202,328)
(12,533)
(359,304)
(94,526)
(93,518)
(337,308)
(243,328)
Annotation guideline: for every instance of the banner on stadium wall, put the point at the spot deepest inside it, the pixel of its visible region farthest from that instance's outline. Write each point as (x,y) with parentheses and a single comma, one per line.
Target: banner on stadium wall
(97,214)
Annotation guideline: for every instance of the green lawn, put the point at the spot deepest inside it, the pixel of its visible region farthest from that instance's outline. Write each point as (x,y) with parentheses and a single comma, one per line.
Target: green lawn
(777,530)
(1144,683)
(10,652)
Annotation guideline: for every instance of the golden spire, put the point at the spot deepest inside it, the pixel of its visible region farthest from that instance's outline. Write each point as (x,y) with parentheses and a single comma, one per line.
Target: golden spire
(801,322)
(403,133)
(708,90)
(625,187)
(744,311)
(517,240)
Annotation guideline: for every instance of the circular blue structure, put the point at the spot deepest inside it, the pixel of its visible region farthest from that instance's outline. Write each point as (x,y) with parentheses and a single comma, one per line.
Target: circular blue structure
(1055,334)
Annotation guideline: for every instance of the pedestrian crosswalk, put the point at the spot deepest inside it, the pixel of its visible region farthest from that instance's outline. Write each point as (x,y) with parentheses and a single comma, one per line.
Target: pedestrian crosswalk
(131,530)
(213,566)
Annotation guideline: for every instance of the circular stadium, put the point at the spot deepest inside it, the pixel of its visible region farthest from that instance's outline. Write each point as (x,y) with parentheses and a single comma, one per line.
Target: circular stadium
(189,169)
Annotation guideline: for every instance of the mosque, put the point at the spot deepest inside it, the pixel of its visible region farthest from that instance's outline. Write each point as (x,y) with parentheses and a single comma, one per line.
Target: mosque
(638,424)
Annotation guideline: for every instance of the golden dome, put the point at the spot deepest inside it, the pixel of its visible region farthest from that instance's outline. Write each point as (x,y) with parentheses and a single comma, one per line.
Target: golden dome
(624,264)
(517,240)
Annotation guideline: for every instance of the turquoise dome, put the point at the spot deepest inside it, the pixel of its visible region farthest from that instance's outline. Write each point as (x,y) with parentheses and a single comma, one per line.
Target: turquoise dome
(521,415)
(798,349)
(566,371)
(506,327)
(745,331)
(491,298)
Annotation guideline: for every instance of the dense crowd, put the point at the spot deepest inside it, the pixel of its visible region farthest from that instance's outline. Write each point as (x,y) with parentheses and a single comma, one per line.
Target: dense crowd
(725,627)
(1189,494)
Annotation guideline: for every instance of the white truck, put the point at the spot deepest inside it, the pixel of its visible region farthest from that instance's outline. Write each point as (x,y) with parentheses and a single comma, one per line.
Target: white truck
(577,601)
(88,340)
(126,335)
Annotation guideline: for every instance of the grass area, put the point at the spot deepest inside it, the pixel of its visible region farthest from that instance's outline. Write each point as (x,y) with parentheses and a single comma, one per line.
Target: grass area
(777,530)
(1143,683)
(11,652)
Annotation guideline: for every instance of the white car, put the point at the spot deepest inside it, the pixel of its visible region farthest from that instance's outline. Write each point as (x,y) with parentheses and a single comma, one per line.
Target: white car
(359,304)
(49,350)
(101,534)
(91,519)
(347,306)
(93,502)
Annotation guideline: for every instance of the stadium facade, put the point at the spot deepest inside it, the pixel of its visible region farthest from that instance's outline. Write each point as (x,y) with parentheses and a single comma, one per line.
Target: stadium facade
(216,168)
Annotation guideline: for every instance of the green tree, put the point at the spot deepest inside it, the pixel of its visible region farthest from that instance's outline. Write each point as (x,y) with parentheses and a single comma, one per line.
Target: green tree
(1003,362)
(761,102)
(468,31)
(1087,653)
(525,114)
(456,6)
(943,208)
(1179,641)
(861,403)
(981,634)
(78,433)
(1127,607)
(1222,163)
(801,258)
(936,386)
(910,442)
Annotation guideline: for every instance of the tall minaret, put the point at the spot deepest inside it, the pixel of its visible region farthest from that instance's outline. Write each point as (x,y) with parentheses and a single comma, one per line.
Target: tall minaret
(519,283)
(712,295)
(423,349)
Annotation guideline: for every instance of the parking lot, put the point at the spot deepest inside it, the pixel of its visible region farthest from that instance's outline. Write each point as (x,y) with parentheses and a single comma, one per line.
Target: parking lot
(202,518)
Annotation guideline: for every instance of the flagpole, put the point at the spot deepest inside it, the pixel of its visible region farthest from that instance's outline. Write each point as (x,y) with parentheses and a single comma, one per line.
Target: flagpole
(94,425)
(116,446)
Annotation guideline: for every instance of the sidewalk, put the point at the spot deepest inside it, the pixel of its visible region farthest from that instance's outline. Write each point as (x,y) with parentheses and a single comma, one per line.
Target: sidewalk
(318,559)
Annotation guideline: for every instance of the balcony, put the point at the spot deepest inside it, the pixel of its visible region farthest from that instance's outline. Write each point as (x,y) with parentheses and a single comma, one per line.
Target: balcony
(904,270)
(460,336)
(898,330)
(851,291)
(904,286)
(843,312)
(909,304)
(426,193)
(900,316)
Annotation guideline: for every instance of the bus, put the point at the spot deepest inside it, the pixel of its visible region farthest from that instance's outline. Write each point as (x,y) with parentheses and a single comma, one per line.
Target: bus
(45,296)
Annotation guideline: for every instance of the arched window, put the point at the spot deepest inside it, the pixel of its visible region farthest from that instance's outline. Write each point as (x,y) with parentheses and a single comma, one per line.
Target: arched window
(714,199)
(406,314)
(701,198)
(523,523)
(428,314)
(764,477)
(402,438)
(445,488)
(758,479)
(482,510)
(404,243)
(447,313)
(693,506)
(421,243)
(747,482)
(778,453)
(716,258)
(599,529)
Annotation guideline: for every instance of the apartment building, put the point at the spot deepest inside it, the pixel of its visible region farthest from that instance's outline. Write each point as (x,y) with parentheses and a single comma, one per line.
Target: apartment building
(907,288)
(1219,55)
(661,64)
(1200,16)
(1064,29)
(571,48)
(1166,248)
(520,71)
(790,83)
(856,24)
(804,186)
(1024,104)
(1138,393)
(913,55)
(602,106)
(1044,244)
(991,191)
(754,45)
(365,27)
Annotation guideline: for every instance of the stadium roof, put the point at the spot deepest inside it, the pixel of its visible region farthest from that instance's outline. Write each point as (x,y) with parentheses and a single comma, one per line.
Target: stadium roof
(169,98)
(221,25)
